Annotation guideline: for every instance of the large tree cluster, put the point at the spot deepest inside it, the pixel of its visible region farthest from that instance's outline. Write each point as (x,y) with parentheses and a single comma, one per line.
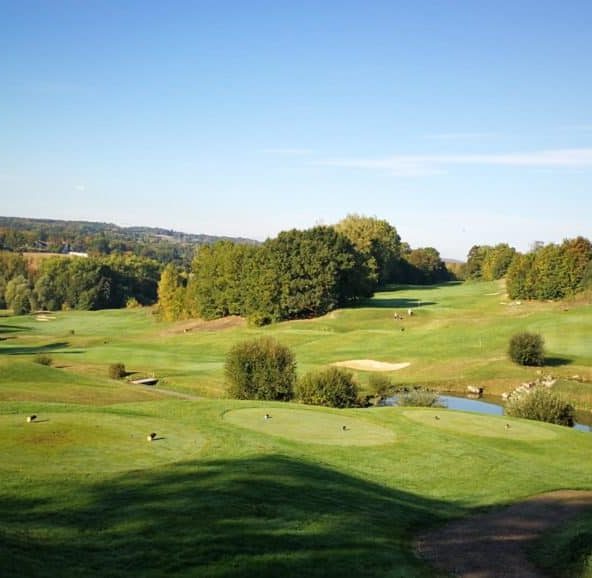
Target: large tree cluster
(76,282)
(298,274)
(552,271)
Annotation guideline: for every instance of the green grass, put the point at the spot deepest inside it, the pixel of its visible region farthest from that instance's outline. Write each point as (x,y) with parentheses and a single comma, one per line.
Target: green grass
(567,550)
(222,492)
(458,336)
(311,426)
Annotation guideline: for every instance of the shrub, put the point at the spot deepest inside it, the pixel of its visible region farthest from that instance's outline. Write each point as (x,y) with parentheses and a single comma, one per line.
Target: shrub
(541,404)
(527,349)
(260,369)
(419,397)
(43,359)
(117,371)
(333,387)
(379,384)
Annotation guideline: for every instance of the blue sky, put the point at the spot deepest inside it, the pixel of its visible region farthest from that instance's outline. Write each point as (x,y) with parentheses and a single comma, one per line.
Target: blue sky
(459,122)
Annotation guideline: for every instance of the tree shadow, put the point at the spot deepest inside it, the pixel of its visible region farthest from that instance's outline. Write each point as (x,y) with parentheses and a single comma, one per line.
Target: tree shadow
(263,517)
(13,328)
(395,303)
(23,350)
(557,361)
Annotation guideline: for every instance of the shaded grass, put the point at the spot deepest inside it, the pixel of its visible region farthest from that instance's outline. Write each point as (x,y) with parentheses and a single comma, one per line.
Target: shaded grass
(214,499)
(566,552)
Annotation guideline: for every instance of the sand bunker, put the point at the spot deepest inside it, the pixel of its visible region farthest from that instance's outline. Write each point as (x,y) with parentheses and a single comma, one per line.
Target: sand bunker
(371,365)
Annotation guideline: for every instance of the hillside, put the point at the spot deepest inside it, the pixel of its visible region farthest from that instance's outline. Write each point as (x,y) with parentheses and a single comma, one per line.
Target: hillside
(59,236)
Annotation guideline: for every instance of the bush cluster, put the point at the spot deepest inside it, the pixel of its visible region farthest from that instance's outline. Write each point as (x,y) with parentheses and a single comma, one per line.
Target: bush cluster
(117,371)
(42,359)
(527,349)
(332,387)
(419,397)
(541,404)
(260,369)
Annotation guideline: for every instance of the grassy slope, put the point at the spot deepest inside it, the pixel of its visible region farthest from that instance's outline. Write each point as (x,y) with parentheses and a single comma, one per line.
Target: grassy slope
(458,336)
(82,491)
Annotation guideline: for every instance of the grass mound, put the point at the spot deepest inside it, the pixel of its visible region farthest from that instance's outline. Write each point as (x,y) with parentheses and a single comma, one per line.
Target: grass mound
(480,425)
(311,426)
(96,442)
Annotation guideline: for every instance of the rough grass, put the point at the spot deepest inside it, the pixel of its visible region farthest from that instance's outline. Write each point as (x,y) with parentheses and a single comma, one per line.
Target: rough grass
(567,550)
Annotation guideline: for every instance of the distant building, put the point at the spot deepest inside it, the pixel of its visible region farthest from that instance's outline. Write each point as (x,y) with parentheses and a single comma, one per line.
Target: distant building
(77,254)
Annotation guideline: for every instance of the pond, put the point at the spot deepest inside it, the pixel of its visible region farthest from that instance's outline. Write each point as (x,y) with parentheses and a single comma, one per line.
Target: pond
(494,406)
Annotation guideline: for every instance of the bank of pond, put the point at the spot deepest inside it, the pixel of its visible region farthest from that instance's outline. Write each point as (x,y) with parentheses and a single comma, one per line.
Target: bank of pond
(492,405)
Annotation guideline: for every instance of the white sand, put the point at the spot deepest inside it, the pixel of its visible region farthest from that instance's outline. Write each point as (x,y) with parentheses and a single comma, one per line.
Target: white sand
(371,365)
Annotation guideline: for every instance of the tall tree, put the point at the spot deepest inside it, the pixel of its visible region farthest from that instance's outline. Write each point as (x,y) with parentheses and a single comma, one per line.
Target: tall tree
(171,294)
(377,240)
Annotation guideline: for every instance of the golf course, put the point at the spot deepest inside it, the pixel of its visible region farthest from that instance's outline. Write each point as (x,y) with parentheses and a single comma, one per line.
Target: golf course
(258,488)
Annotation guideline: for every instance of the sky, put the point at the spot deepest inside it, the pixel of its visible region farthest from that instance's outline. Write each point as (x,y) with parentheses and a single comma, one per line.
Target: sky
(460,122)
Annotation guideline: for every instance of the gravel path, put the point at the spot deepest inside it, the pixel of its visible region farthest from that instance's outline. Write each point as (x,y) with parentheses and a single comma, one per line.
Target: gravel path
(493,545)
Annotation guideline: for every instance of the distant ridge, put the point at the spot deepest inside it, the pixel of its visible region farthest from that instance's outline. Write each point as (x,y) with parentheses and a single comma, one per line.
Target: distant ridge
(134,231)
(26,235)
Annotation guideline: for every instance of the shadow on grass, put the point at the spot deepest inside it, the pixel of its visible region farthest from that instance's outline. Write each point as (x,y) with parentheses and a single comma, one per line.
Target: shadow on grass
(557,361)
(263,517)
(13,328)
(36,349)
(395,303)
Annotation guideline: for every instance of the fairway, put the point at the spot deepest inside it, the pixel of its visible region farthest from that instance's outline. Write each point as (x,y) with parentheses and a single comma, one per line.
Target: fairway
(478,425)
(311,426)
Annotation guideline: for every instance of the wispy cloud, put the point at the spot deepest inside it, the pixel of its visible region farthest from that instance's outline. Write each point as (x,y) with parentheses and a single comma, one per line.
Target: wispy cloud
(459,136)
(288,151)
(422,165)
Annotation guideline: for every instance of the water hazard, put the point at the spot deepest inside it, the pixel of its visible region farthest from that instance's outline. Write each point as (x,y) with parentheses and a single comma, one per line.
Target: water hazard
(494,406)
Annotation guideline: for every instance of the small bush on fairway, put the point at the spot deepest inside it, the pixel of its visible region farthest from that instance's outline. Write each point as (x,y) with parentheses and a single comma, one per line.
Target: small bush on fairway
(43,359)
(260,369)
(117,371)
(543,405)
(527,349)
(333,387)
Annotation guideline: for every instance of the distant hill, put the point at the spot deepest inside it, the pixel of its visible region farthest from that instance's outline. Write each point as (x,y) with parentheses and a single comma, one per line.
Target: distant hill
(58,236)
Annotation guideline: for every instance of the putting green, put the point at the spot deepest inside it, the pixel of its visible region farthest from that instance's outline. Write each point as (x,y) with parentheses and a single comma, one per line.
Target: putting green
(481,425)
(87,442)
(311,426)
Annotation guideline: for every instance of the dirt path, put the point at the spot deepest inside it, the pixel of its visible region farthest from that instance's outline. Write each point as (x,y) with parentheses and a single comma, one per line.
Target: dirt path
(493,545)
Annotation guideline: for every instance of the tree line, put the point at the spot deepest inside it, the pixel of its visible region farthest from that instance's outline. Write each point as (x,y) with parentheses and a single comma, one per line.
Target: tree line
(77,282)
(298,274)
(552,271)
